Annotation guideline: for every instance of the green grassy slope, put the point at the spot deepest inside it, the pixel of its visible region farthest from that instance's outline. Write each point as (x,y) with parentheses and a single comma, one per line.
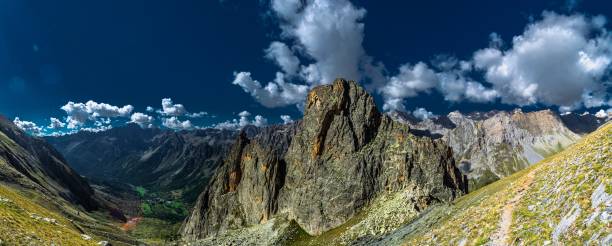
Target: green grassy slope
(25,222)
(562,199)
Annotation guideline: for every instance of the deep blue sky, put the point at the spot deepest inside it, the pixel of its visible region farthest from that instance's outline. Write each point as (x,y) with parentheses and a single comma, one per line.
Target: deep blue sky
(139,51)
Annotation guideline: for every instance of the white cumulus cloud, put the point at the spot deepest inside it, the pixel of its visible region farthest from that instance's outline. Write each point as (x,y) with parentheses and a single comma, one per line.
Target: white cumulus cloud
(242,121)
(603,113)
(171,109)
(56,124)
(408,83)
(284,57)
(275,94)
(142,119)
(80,113)
(325,36)
(559,60)
(286,119)
(555,61)
(28,126)
(176,124)
(420,78)
(422,113)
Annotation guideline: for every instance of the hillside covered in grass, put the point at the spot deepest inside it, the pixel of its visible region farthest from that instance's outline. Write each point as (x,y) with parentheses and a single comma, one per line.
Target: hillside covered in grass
(566,198)
(25,222)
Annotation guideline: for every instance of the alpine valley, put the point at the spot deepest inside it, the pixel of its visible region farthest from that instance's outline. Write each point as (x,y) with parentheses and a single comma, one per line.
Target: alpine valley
(345,174)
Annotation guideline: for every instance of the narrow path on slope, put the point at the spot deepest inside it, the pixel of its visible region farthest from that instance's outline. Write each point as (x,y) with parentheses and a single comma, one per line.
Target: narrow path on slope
(500,238)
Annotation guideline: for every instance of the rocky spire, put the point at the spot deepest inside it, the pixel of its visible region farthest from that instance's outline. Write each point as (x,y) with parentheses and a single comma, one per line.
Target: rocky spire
(323,170)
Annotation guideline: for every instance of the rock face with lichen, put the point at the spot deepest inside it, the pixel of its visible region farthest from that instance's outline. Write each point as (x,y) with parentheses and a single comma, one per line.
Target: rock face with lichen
(321,171)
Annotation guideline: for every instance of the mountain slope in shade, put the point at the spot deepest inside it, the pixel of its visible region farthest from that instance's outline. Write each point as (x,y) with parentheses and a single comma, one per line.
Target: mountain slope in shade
(565,199)
(162,160)
(583,123)
(317,174)
(32,163)
(489,146)
(43,201)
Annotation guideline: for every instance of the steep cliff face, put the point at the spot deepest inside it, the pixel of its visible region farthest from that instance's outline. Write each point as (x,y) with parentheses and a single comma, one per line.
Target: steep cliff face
(33,164)
(323,170)
(164,160)
(245,188)
(489,146)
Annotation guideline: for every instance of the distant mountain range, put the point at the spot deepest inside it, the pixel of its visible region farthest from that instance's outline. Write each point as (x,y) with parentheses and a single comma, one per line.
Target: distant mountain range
(161,160)
(344,174)
(489,146)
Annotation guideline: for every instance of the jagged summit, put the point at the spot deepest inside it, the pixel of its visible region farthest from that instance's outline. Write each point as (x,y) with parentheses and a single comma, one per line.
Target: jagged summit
(352,109)
(323,170)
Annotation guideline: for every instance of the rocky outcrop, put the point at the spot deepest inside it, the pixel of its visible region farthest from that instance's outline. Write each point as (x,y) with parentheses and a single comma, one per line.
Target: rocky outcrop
(492,145)
(163,160)
(246,187)
(324,169)
(31,163)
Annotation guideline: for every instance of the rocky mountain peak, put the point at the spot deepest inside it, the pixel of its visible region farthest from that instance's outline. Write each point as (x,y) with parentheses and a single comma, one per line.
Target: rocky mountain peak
(341,101)
(324,169)
(538,122)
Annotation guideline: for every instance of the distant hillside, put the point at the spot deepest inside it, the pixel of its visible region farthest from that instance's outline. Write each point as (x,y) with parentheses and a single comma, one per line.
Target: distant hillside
(32,163)
(582,123)
(492,145)
(161,160)
(45,202)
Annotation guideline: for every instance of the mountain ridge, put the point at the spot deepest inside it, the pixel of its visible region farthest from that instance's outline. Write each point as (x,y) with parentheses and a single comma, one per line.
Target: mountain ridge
(495,144)
(33,163)
(343,154)
(162,159)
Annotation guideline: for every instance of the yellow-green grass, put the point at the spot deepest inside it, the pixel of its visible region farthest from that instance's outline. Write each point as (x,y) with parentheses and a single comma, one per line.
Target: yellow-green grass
(155,231)
(24,222)
(385,214)
(564,184)
(472,218)
(561,183)
(331,237)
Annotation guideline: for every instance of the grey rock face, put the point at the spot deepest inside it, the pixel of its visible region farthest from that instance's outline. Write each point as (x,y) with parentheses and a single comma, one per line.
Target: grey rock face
(321,171)
(245,188)
(489,146)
